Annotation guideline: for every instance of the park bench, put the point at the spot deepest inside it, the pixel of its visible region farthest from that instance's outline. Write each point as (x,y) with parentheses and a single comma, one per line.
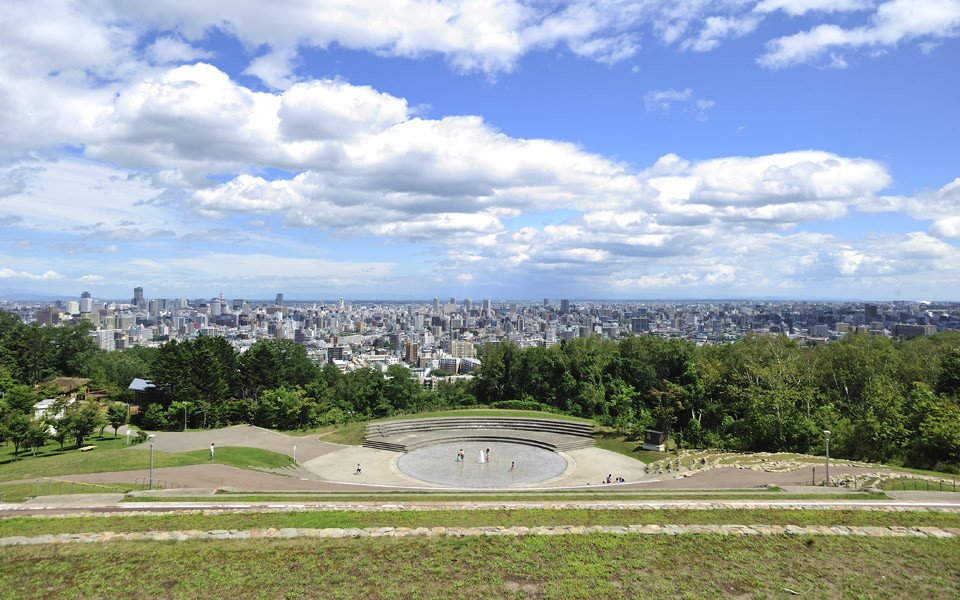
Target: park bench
(85,448)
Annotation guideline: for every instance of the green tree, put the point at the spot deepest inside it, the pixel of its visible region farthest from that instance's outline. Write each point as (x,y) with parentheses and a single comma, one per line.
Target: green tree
(19,399)
(117,416)
(83,418)
(37,434)
(948,379)
(16,428)
(401,388)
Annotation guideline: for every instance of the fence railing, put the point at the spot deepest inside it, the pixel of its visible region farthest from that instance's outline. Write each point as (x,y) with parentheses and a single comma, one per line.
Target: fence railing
(158,483)
(64,486)
(905,484)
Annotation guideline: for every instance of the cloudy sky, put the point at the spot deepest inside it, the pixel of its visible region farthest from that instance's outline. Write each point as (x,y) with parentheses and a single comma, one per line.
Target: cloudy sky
(481,148)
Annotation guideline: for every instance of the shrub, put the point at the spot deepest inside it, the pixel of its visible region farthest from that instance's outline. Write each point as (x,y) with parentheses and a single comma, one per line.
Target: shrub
(518,405)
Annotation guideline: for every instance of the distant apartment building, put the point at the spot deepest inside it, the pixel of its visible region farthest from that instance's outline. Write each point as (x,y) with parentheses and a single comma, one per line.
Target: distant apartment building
(449,365)
(48,316)
(334,353)
(411,353)
(462,349)
(911,331)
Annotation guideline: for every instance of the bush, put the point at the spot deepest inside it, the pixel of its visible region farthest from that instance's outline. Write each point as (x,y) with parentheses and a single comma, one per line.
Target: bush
(518,405)
(155,418)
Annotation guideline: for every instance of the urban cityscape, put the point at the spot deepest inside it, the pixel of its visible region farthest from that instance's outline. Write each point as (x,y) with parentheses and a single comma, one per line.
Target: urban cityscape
(445,334)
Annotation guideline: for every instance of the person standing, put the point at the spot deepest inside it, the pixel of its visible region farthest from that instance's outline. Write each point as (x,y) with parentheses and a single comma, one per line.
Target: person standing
(211,450)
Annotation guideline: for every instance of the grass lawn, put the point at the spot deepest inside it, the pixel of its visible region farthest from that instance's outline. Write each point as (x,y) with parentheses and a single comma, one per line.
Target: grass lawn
(18,492)
(107,442)
(239,456)
(107,458)
(547,567)
(489,412)
(320,519)
(615,442)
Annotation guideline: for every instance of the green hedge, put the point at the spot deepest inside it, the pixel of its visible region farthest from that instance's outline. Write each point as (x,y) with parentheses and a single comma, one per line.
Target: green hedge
(519,405)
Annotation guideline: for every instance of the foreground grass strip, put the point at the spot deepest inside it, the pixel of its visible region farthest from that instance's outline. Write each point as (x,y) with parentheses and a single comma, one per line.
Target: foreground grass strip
(406,532)
(321,519)
(565,567)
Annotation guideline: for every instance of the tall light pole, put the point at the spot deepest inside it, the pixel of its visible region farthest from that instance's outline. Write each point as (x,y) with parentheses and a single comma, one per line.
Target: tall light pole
(185,404)
(152,437)
(826,436)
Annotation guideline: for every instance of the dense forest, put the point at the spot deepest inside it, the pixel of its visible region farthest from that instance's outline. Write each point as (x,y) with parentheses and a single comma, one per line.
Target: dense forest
(884,400)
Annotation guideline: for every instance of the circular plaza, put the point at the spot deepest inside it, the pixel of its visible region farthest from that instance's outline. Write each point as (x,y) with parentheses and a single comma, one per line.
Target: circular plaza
(491,465)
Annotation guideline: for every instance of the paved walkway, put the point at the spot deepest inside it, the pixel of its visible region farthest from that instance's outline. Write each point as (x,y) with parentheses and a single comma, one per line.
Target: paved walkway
(308,446)
(460,532)
(74,500)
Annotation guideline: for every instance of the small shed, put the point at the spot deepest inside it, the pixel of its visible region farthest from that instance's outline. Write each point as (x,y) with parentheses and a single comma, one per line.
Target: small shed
(139,387)
(654,440)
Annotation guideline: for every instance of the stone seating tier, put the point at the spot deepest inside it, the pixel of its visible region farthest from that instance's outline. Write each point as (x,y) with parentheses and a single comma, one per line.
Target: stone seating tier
(549,434)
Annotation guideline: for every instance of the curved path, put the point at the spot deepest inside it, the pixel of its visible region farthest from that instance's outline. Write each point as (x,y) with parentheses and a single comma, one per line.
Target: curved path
(308,446)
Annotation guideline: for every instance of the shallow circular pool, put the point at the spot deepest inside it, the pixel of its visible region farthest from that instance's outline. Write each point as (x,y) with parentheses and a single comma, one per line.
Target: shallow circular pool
(439,464)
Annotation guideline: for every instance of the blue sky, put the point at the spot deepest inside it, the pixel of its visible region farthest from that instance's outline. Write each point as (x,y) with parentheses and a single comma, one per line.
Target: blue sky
(506,149)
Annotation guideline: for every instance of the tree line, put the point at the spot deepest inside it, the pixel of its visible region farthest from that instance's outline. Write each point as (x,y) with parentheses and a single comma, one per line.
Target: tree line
(883,399)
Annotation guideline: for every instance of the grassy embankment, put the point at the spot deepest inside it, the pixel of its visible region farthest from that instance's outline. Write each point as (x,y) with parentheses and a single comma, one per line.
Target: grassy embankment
(549,567)
(320,519)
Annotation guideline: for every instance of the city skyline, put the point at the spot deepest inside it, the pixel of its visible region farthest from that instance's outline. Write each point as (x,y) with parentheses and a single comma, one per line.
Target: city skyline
(772,149)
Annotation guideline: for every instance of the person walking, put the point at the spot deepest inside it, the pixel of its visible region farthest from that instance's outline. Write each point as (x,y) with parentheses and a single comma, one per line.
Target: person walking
(512,465)
(357,472)
(211,450)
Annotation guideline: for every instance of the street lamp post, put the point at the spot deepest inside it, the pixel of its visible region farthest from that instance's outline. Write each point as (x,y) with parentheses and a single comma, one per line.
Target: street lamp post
(826,436)
(152,437)
(184,416)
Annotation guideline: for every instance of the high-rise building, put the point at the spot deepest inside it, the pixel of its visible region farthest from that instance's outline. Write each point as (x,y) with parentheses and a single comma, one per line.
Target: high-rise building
(412,353)
(137,296)
(340,303)
(86,302)
(485,305)
(564,306)
(279,299)
(546,301)
(467,304)
(870,312)
(436,305)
